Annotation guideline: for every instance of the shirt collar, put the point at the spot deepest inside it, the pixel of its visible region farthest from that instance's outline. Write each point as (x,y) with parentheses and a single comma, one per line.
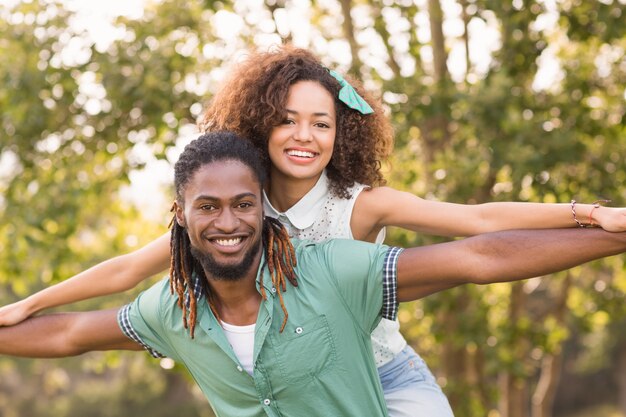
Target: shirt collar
(263,271)
(303,214)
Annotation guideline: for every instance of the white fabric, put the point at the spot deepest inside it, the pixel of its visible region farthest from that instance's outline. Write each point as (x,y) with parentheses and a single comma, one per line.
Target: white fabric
(241,338)
(320,216)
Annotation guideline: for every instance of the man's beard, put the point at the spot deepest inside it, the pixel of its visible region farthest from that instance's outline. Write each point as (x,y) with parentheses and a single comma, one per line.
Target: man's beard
(215,270)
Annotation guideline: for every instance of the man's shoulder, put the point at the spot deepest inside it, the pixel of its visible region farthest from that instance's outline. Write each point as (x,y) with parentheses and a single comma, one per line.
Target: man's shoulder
(159,304)
(335,250)
(160,288)
(304,245)
(157,296)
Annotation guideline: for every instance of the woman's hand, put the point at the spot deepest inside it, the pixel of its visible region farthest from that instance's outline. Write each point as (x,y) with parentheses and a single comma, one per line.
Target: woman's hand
(14,313)
(611,219)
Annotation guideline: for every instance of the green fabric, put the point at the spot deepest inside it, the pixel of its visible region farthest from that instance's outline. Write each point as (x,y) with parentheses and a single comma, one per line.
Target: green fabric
(320,365)
(349,96)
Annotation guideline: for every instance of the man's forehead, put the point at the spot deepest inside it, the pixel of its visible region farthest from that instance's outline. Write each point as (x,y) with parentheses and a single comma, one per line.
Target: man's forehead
(224,178)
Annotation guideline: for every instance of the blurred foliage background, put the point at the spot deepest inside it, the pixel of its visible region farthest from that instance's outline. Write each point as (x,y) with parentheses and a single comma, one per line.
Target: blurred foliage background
(491,101)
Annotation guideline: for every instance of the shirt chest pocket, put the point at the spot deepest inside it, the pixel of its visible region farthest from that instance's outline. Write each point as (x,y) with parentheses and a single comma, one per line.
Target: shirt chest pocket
(304,351)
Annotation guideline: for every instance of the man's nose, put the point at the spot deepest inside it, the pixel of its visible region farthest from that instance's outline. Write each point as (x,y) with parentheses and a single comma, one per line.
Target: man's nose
(227,221)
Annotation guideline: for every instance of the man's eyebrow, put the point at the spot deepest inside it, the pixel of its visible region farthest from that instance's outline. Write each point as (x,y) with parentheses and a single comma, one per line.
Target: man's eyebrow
(245,195)
(234,198)
(321,113)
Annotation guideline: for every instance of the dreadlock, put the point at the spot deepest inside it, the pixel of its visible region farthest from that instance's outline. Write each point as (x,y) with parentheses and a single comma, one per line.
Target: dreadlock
(187,277)
(281,260)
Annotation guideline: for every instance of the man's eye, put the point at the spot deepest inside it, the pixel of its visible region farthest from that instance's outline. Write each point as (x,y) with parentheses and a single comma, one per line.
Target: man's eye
(245,205)
(207,207)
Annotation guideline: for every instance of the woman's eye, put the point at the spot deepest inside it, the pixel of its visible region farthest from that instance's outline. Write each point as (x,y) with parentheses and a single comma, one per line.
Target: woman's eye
(288,122)
(322,125)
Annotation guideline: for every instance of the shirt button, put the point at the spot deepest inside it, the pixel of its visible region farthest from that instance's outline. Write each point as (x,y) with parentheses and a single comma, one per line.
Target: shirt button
(299,330)
(273,289)
(266,401)
(239,368)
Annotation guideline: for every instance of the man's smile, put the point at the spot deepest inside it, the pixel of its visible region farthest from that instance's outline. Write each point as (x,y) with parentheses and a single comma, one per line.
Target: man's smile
(228,242)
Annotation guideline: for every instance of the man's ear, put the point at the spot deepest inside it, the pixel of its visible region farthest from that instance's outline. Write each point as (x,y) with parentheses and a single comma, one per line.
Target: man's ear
(179,213)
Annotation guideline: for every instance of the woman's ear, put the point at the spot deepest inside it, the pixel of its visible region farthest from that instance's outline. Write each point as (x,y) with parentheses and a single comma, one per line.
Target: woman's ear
(179,213)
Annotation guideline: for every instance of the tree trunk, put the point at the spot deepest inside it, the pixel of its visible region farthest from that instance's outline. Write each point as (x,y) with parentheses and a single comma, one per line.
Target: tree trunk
(454,362)
(435,129)
(466,19)
(551,365)
(348,32)
(543,398)
(478,362)
(437,39)
(513,396)
(514,389)
(621,379)
(381,27)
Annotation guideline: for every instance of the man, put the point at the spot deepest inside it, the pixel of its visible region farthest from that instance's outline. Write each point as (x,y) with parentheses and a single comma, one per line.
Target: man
(257,345)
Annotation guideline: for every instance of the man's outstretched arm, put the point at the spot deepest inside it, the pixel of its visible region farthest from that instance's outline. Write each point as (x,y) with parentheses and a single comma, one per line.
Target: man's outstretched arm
(499,257)
(65,334)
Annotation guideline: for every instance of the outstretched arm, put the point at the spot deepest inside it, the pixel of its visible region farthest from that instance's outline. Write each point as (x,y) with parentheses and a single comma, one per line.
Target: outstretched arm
(112,276)
(384,206)
(500,257)
(65,334)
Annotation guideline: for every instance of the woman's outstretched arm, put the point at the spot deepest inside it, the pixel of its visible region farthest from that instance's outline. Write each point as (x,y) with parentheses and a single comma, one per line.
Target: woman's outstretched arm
(384,206)
(112,276)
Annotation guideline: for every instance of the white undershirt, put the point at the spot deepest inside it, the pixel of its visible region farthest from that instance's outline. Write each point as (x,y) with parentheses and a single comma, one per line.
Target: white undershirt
(241,338)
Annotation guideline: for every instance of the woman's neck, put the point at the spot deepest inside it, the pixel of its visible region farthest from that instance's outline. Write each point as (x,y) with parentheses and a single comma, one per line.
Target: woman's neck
(284,192)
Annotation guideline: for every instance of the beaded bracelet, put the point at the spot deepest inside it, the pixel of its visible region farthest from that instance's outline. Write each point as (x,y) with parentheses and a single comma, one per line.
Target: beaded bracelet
(574,214)
(595,204)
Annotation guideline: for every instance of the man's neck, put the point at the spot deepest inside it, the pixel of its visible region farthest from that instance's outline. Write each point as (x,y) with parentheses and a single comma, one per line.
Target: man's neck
(237,302)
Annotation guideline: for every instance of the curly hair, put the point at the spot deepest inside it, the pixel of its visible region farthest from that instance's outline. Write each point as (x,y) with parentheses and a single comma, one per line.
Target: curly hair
(252,102)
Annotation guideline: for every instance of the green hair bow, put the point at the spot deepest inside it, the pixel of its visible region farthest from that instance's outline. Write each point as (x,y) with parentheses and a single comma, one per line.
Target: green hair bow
(349,96)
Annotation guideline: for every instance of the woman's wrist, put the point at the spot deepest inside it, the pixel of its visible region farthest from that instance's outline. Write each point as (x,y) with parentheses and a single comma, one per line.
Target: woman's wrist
(587,215)
(31,305)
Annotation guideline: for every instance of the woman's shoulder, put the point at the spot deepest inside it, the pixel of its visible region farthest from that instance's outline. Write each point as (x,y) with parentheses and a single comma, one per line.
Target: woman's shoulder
(377,196)
(374,207)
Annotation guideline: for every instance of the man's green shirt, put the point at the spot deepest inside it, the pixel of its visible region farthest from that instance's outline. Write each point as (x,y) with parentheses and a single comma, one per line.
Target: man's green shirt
(320,365)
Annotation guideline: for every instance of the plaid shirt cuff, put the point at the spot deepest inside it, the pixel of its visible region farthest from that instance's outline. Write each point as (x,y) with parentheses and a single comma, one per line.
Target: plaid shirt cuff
(390,284)
(123,318)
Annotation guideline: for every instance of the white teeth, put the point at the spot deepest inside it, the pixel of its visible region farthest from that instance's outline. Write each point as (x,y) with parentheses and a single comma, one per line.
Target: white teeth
(302,154)
(228,242)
